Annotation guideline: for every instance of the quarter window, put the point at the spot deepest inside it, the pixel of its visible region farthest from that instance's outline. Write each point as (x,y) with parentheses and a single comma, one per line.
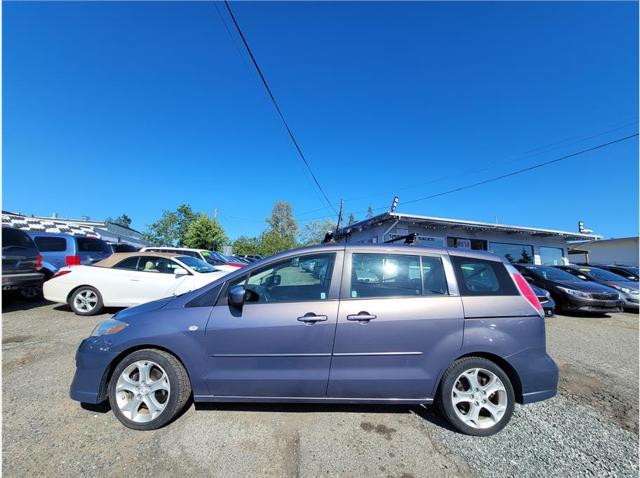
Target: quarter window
(51,244)
(297,279)
(130,263)
(478,277)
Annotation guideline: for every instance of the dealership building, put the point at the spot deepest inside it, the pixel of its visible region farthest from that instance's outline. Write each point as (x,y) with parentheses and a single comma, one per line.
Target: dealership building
(526,245)
(108,231)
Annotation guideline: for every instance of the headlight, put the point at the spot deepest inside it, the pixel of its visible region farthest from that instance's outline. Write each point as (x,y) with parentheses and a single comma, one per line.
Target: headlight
(576,293)
(109,327)
(626,290)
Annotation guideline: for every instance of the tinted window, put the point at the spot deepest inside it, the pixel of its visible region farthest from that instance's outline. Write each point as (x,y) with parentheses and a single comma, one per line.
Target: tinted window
(385,275)
(15,237)
(477,277)
(157,264)
(599,274)
(128,263)
(552,274)
(433,278)
(51,244)
(87,244)
(124,248)
(305,278)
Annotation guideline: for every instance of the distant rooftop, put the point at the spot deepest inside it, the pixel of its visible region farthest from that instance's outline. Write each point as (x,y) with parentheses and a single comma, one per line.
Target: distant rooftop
(436,223)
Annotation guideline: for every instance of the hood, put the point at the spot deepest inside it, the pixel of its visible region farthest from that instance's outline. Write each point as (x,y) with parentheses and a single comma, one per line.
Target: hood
(623,283)
(584,286)
(127,314)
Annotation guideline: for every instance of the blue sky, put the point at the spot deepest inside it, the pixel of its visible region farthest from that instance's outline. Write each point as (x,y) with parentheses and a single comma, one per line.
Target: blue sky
(133,108)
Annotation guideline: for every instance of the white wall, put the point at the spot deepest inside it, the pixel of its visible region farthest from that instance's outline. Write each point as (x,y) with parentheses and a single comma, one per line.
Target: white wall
(439,237)
(614,251)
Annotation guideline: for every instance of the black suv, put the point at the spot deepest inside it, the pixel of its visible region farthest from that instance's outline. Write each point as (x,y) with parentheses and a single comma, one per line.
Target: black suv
(21,263)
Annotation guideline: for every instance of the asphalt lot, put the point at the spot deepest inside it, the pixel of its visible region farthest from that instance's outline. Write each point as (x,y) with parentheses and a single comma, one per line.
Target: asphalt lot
(590,429)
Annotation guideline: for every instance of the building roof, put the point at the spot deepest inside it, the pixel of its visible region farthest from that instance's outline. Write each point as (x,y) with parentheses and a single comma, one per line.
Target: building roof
(603,242)
(444,223)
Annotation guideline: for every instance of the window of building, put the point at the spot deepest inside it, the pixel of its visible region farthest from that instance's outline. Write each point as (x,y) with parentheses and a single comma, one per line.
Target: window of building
(464,243)
(514,253)
(553,256)
(478,277)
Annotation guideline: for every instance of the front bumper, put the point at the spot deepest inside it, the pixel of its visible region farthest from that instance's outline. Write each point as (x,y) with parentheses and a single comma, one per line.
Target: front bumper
(538,374)
(16,281)
(576,304)
(93,359)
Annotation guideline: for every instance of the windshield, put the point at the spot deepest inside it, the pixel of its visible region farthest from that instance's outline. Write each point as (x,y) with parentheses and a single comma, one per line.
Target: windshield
(211,259)
(600,274)
(551,273)
(196,264)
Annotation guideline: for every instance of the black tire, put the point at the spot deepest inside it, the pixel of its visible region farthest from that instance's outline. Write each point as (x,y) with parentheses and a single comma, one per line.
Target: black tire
(80,290)
(180,388)
(445,402)
(32,293)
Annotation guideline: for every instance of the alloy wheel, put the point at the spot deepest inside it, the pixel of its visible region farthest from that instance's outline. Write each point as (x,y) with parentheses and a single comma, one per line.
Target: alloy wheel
(85,301)
(479,398)
(142,391)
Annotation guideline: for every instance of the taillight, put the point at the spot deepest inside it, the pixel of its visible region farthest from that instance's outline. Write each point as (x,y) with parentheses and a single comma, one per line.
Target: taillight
(59,273)
(72,260)
(526,290)
(38,263)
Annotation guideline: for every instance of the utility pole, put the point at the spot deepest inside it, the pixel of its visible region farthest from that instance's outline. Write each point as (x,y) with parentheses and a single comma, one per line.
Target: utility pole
(340,215)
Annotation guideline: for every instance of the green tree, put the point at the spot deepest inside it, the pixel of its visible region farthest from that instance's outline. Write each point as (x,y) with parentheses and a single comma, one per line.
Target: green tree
(245,246)
(121,220)
(282,221)
(271,242)
(205,233)
(171,228)
(314,231)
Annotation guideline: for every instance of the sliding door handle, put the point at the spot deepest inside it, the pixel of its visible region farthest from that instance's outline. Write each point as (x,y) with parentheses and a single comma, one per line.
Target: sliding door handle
(361,317)
(312,318)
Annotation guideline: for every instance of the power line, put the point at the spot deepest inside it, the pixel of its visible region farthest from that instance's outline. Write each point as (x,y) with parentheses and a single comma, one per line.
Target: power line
(275,103)
(524,170)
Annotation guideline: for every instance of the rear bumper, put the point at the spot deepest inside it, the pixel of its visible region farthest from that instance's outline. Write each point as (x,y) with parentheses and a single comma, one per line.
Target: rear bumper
(538,374)
(11,281)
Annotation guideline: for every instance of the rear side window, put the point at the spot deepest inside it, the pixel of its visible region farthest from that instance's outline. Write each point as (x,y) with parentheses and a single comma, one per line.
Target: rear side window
(385,275)
(478,277)
(51,244)
(15,237)
(86,244)
(130,263)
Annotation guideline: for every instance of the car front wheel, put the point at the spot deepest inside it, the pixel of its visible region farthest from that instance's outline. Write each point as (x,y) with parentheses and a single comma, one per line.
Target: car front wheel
(148,388)
(476,396)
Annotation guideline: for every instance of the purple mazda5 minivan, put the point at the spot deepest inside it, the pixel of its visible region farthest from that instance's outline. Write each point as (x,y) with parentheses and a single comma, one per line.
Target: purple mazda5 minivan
(331,324)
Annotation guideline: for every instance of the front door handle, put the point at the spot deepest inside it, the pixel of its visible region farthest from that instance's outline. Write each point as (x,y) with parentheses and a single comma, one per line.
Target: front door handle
(361,317)
(311,318)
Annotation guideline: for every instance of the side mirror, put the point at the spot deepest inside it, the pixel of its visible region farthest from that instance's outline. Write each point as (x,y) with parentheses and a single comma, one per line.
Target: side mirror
(179,272)
(236,295)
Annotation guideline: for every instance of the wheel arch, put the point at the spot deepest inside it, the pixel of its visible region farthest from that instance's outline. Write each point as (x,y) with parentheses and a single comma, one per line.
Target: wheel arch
(500,362)
(108,373)
(72,291)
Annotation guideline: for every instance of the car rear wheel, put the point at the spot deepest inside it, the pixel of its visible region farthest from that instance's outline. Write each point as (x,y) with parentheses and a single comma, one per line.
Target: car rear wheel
(148,388)
(86,300)
(476,396)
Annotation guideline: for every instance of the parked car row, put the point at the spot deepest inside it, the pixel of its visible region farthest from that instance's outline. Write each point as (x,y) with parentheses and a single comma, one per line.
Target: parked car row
(583,288)
(32,258)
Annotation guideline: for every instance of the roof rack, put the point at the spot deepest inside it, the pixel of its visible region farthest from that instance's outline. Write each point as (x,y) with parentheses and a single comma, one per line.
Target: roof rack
(408,239)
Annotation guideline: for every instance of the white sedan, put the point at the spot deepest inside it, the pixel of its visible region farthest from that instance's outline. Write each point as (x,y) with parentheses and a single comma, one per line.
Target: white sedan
(127,279)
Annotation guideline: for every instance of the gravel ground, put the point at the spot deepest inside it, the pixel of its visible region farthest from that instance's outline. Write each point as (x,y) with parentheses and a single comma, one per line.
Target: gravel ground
(591,428)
